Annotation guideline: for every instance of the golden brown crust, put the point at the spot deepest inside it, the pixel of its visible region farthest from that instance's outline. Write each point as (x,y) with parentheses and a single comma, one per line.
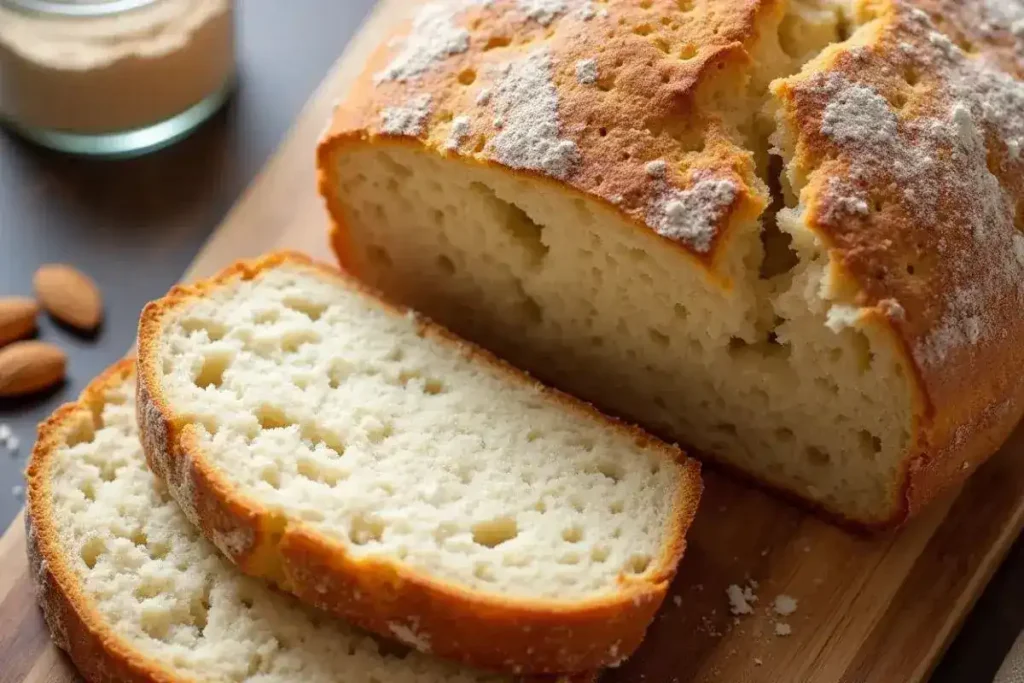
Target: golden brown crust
(905,269)
(510,634)
(673,67)
(926,237)
(95,648)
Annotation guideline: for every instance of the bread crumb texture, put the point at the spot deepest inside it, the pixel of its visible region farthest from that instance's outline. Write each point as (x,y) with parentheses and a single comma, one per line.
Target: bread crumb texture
(156,588)
(319,403)
(788,233)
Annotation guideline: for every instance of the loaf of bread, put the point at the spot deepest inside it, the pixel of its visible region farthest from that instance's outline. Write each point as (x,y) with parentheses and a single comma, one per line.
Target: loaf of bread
(132,592)
(787,233)
(383,470)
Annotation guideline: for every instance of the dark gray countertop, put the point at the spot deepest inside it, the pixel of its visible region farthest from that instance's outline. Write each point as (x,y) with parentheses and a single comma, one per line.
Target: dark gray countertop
(135,226)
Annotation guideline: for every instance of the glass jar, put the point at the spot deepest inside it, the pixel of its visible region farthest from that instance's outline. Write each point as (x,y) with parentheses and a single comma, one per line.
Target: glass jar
(113,77)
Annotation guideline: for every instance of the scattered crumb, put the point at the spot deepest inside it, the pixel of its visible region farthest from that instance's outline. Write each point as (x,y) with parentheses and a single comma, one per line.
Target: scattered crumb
(12,444)
(765,552)
(5,432)
(753,583)
(757,661)
(807,548)
(785,605)
(782,629)
(18,491)
(677,600)
(965,466)
(741,599)
(698,586)
(586,71)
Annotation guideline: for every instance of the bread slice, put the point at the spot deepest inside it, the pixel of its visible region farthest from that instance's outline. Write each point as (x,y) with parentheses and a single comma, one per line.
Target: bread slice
(788,234)
(377,467)
(132,592)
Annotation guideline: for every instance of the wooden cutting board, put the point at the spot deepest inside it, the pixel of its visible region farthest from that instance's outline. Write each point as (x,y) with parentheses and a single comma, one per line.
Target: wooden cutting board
(869,609)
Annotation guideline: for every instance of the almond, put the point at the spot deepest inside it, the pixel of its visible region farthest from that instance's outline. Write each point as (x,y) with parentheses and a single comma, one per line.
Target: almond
(17,318)
(30,366)
(69,295)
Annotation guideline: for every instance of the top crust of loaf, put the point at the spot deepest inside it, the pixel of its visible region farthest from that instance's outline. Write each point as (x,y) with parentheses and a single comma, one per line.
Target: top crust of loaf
(608,98)
(98,649)
(943,273)
(509,634)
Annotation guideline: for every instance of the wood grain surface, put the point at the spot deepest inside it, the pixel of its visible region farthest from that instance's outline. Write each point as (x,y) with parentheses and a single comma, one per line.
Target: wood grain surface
(875,609)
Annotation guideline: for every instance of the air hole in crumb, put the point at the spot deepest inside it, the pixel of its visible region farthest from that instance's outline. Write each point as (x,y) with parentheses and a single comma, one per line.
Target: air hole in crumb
(599,553)
(870,444)
(92,549)
(602,131)
(638,563)
(433,386)
(88,490)
(531,311)
(610,469)
(659,337)
(573,534)
(267,317)
(379,433)
(339,370)
(271,476)
(212,372)
(311,309)
(365,529)
(378,256)
(687,52)
(467,76)
(484,572)
(817,456)
(272,417)
(533,435)
(445,265)
(291,341)
(569,558)
(494,532)
(617,507)
(214,330)
(540,506)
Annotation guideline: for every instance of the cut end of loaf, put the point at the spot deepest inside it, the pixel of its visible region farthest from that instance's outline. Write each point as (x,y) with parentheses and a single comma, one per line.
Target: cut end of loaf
(770,375)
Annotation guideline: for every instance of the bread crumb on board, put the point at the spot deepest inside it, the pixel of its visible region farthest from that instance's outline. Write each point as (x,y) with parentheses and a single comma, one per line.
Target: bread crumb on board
(782,629)
(784,605)
(741,599)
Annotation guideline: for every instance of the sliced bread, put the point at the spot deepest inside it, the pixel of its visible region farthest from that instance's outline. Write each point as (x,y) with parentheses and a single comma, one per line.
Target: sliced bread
(379,468)
(818,282)
(132,591)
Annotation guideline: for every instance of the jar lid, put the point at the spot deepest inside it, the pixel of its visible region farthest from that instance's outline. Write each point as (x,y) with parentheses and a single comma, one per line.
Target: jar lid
(76,8)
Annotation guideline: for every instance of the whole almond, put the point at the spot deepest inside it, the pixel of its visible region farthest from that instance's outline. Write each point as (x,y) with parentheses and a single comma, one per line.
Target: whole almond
(30,366)
(69,295)
(17,318)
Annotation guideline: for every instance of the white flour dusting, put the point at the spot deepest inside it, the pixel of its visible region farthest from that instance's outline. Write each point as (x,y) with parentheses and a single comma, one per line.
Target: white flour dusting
(460,129)
(543,11)
(938,159)
(434,36)
(407,120)
(691,216)
(586,71)
(526,102)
